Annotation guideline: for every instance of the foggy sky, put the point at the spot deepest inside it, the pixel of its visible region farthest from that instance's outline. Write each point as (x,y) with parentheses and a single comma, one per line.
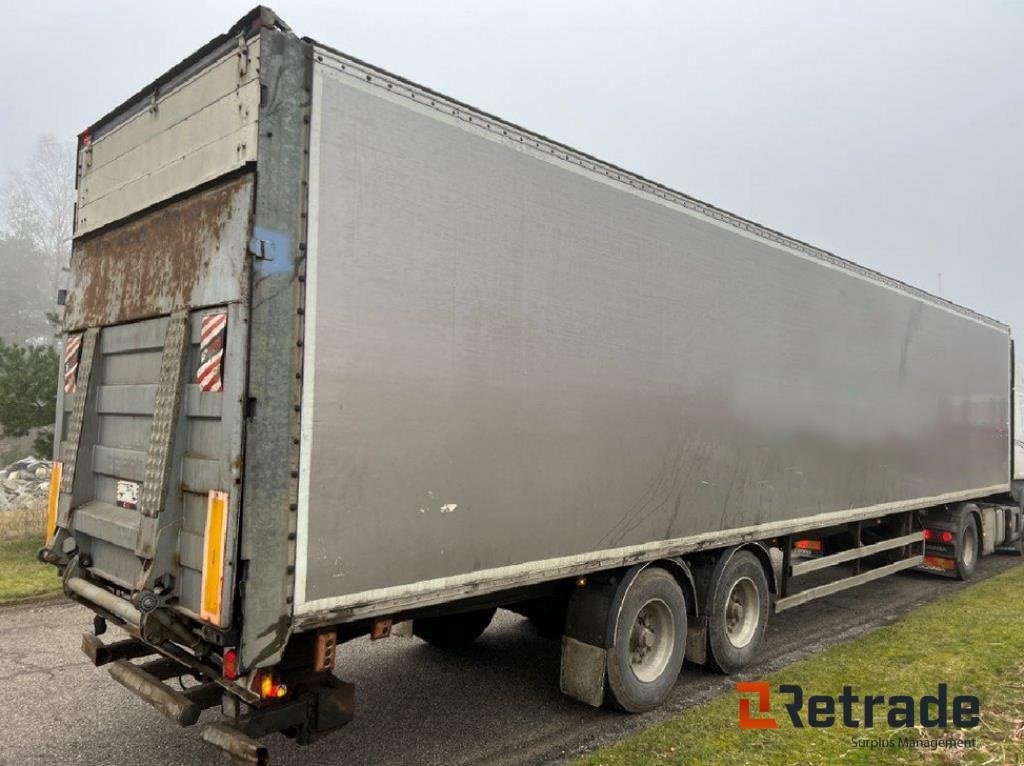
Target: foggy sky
(888,133)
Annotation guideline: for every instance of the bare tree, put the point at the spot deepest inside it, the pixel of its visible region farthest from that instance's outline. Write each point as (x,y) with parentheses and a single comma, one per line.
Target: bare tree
(37,201)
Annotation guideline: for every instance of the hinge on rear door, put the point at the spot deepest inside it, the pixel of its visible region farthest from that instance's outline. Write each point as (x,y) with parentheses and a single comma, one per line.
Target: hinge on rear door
(243,56)
(86,158)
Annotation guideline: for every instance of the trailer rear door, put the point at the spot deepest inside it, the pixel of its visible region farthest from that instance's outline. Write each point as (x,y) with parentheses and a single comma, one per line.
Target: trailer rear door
(151,413)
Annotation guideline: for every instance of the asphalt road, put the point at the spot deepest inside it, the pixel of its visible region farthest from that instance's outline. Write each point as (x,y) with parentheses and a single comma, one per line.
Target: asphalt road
(496,703)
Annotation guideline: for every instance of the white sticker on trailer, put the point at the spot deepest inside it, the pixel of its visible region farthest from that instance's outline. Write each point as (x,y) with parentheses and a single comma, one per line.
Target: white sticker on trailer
(128,494)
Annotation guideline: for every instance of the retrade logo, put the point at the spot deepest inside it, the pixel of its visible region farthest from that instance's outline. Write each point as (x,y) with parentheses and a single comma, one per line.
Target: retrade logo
(897,711)
(764,705)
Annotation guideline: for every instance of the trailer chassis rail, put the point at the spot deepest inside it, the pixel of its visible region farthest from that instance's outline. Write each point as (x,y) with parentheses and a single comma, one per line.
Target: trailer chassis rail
(912,544)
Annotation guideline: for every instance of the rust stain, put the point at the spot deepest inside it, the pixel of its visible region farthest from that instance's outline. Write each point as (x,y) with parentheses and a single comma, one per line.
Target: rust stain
(153,265)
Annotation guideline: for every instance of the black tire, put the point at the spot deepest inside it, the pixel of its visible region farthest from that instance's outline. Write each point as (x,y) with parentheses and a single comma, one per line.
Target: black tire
(453,631)
(738,613)
(968,547)
(648,651)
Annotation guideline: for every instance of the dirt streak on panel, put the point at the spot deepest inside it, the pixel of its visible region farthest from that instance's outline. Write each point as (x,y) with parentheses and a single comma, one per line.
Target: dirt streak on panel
(155,264)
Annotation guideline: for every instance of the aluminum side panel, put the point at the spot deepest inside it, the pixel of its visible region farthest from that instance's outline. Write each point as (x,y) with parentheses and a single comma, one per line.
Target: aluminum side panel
(510,360)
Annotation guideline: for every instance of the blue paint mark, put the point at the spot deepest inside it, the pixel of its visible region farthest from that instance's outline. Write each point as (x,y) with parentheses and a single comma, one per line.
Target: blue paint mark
(273,250)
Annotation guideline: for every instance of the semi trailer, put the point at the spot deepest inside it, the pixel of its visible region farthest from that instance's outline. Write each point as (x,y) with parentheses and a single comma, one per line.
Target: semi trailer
(342,353)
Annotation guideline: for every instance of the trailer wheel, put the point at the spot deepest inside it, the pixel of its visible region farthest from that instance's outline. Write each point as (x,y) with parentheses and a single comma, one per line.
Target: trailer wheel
(453,631)
(650,642)
(967,545)
(738,613)
(1018,546)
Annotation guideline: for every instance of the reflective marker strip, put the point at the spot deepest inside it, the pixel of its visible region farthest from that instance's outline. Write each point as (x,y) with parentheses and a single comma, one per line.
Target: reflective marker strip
(211,352)
(72,355)
(213,556)
(939,562)
(51,505)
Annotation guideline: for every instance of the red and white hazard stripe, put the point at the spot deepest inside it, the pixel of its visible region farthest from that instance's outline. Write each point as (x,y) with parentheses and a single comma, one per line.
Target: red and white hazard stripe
(211,352)
(72,355)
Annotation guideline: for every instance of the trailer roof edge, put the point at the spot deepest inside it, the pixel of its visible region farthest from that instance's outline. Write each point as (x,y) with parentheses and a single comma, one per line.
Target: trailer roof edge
(623,175)
(249,25)
(262,17)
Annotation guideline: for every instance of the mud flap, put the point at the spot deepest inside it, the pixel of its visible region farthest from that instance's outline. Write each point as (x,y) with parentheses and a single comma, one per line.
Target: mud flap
(582,671)
(697,640)
(590,630)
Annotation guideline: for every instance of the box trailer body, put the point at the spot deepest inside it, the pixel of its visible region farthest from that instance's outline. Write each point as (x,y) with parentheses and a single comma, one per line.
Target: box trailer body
(516,364)
(342,348)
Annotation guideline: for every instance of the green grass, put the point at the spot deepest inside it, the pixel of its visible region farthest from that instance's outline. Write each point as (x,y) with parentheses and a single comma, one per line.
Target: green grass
(21,575)
(973,641)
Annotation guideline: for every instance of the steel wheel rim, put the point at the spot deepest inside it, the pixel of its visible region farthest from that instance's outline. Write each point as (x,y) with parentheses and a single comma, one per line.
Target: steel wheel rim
(742,612)
(969,547)
(651,640)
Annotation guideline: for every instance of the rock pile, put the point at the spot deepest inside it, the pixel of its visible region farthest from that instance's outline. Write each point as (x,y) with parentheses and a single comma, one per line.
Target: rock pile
(24,483)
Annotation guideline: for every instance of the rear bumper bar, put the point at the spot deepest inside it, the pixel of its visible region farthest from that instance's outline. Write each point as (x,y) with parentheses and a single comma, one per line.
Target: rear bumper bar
(178,706)
(324,707)
(147,680)
(107,601)
(241,748)
(153,627)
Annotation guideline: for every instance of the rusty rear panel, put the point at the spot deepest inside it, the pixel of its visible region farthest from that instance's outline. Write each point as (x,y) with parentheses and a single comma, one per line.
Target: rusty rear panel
(187,254)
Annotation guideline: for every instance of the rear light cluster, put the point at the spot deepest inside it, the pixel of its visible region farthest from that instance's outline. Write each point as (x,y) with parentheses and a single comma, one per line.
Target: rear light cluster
(939,536)
(264,682)
(230,666)
(268,686)
(808,545)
